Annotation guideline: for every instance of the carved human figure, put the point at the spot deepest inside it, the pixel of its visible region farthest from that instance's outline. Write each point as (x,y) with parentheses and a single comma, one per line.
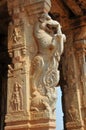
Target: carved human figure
(50,43)
(73,113)
(16,99)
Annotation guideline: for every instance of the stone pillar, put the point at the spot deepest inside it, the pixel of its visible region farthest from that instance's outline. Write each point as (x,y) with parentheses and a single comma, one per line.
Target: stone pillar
(74,77)
(35,44)
(80,53)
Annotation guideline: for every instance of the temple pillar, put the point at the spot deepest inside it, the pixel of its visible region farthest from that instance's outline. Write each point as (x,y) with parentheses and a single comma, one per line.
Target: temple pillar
(74,76)
(35,44)
(80,54)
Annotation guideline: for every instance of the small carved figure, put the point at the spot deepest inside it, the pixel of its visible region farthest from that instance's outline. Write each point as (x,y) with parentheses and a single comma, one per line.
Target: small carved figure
(16,35)
(16,99)
(73,113)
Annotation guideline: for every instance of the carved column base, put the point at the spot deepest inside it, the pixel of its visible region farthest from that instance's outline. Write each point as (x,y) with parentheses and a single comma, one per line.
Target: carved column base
(74,126)
(42,124)
(21,125)
(42,121)
(32,121)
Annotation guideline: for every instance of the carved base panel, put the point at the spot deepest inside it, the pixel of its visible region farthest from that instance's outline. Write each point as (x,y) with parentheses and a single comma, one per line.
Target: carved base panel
(42,124)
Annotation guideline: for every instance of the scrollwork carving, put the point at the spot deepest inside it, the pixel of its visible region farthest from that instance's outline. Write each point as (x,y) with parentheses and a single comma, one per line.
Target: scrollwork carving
(51,77)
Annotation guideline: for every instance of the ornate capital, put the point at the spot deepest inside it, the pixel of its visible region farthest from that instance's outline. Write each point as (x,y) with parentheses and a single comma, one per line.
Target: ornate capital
(32,6)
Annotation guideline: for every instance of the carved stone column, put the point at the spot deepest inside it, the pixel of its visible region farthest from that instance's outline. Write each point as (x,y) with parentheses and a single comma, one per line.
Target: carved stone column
(80,52)
(35,44)
(74,77)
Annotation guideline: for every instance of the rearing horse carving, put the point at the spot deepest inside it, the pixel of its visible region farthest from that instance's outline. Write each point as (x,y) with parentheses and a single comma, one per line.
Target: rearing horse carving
(50,44)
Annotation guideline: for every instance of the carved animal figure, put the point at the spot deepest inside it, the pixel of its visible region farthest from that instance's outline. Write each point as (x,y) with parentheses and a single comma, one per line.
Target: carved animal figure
(50,40)
(39,102)
(50,43)
(48,35)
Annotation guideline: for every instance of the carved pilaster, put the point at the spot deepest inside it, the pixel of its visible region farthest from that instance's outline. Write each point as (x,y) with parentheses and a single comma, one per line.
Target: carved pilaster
(35,44)
(18,93)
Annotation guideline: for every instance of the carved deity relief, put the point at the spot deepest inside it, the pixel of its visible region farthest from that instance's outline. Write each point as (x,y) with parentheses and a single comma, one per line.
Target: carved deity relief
(16,98)
(44,67)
